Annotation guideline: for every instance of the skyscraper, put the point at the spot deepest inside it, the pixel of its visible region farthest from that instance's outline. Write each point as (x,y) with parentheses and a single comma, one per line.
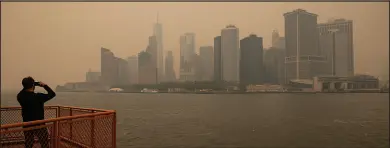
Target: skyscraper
(343,46)
(147,63)
(251,63)
(207,63)
(133,69)
(217,59)
(158,33)
(303,59)
(275,37)
(230,54)
(187,52)
(123,72)
(146,71)
(274,65)
(108,67)
(170,75)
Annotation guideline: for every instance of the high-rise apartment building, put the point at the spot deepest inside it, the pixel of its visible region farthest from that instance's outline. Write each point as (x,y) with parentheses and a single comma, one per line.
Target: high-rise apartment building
(303,58)
(251,63)
(230,54)
(336,43)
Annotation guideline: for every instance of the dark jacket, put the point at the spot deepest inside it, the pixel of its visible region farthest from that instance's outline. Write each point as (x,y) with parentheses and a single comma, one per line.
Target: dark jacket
(33,103)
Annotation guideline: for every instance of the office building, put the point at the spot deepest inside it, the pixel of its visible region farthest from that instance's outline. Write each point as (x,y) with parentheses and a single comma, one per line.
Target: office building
(217,59)
(147,63)
(303,58)
(92,76)
(340,31)
(108,67)
(274,66)
(187,52)
(146,71)
(230,54)
(170,75)
(251,63)
(158,33)
(207,62)
(133,69)
(123,72)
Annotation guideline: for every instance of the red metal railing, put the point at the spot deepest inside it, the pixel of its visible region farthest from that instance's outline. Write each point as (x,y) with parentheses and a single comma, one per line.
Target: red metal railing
(64,126)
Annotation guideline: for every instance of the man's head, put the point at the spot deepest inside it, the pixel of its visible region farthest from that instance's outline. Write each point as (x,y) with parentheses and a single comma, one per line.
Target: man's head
(28,83)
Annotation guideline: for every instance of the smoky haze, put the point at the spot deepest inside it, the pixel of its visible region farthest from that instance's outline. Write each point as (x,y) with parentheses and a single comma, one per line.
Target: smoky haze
(58,42)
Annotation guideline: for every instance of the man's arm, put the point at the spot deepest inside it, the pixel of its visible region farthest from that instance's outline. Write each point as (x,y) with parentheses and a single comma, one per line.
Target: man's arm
(46,97)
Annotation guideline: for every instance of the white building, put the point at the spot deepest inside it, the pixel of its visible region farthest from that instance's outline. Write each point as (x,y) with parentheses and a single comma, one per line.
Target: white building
(230,54)
(344,61)
(157,30)
(133,69)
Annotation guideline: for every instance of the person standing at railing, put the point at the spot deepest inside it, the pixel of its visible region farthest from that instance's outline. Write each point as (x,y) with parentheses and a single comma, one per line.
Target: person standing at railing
(33,109)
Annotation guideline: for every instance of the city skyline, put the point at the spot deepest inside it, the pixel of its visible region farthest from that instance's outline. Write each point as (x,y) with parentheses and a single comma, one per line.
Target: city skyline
(201,42)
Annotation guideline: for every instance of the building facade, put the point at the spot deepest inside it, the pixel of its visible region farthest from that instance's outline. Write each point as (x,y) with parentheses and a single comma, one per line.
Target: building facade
(123,72)
(187,52)
(303,58)
(337,35)
(146,70)
(158,33)
(92,76)
(230,54)
(217,59)
(133,69)
(251,63)
(170,75)
(108,67)
(207,62)
(147,63)
(274,66)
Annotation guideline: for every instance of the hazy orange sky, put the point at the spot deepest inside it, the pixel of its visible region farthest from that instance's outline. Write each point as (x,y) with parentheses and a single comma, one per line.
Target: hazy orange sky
(58,42)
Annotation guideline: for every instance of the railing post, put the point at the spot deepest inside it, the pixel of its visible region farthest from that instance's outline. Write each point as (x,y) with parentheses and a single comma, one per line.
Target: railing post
(113,130)
(56,134)
(71,123)
(93,131)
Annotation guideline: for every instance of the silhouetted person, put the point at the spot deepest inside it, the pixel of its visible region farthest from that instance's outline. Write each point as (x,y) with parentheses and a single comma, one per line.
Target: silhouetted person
(33,109)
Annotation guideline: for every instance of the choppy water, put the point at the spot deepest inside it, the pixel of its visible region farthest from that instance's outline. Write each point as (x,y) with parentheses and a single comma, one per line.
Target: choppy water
(253,120)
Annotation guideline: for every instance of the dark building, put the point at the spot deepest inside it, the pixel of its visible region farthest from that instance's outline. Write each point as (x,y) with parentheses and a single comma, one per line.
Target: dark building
(207,63)
(251,63)
(303,57)
(197,66)
(217,59)
(274,66)
(108,67)
(170,75)
(146,71)
(123,72)
(147,63)
(337,35)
